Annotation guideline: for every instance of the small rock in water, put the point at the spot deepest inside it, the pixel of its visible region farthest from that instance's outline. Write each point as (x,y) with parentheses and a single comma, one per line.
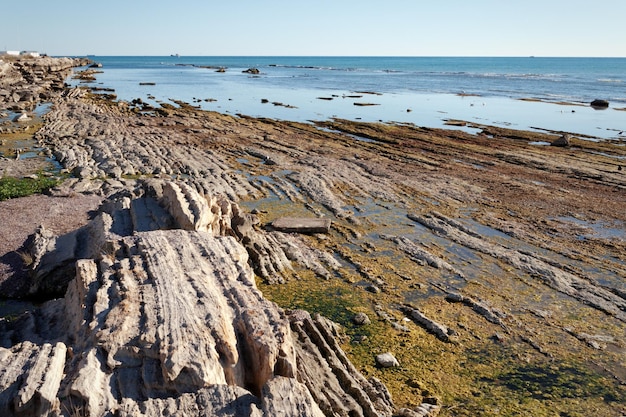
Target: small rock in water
(23,117)
(387,360)
(599,104)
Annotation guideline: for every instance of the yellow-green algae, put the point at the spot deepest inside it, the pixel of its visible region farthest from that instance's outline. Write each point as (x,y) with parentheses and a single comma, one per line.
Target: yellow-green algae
(479,376)
(492,371)
(12,145)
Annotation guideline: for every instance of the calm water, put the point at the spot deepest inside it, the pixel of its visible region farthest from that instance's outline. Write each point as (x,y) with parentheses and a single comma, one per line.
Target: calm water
(424,91)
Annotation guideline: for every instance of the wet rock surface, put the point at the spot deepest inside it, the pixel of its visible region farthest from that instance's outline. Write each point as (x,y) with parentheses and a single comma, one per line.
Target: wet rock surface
(511,251)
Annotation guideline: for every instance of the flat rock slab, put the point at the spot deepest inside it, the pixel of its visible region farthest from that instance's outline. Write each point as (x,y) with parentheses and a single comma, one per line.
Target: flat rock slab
(301,225)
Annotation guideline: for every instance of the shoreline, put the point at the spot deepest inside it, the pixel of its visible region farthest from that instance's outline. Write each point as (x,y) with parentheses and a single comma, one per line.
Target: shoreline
(485,234)
(236,92)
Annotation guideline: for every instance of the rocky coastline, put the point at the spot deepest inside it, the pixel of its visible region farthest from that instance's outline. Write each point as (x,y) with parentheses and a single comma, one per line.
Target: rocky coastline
(26,82)
(490,269)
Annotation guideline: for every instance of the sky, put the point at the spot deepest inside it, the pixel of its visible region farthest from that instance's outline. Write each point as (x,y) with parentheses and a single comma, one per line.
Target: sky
(322,27)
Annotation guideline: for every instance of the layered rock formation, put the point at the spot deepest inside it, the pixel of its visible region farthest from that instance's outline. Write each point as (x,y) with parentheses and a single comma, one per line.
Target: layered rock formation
(511,251)
(162,316)
(26,82)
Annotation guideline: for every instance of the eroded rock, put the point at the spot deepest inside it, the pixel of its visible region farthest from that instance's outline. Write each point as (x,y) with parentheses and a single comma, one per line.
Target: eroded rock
(28,81)
(551,274)
(440,330)
(171,320)
(562,142)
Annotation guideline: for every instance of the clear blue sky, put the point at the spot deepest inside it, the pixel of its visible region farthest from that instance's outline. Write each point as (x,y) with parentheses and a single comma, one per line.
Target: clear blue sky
(322,27)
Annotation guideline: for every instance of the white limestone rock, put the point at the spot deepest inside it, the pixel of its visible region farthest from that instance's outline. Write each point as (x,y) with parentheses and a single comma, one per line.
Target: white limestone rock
(170,322)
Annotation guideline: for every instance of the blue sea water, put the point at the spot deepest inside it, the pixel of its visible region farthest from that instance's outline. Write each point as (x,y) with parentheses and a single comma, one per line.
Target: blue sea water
(424,91)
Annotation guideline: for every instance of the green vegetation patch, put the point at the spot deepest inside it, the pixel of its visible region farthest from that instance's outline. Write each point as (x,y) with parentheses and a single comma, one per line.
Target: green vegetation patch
(511,382)
(560,380)
(21,187)
(334,299)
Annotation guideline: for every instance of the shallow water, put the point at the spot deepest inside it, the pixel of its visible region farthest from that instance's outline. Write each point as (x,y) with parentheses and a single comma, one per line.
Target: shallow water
(598,230)
(422,91)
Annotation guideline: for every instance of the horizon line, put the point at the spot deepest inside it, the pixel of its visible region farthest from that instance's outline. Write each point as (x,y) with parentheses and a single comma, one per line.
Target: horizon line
(340,56)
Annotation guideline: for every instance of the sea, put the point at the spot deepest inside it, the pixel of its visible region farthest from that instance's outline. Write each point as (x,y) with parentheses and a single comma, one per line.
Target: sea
(530,93)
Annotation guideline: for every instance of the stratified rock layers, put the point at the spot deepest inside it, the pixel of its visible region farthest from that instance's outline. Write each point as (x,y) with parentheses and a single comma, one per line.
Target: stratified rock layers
(170,322)
(26,82)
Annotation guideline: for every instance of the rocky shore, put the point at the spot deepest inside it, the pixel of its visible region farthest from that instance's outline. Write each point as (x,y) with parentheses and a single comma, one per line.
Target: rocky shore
(25,82)
(468,274)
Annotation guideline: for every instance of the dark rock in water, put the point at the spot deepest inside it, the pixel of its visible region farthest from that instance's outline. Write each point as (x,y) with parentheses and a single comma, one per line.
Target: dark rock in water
(563,141)
(252,71)
(600,104)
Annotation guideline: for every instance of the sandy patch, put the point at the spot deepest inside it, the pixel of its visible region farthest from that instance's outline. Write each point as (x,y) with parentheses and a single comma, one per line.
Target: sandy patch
(20,217)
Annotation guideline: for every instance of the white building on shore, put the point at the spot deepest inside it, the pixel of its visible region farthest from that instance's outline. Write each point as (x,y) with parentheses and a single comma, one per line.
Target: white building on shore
(32,54)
